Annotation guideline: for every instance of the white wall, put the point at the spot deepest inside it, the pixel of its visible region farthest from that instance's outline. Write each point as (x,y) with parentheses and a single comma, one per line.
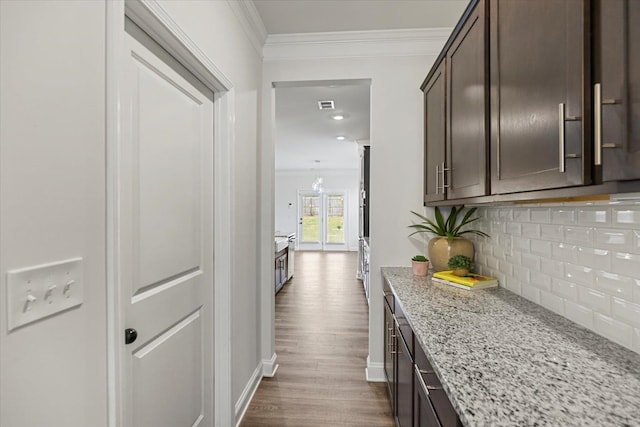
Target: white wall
(52,206)
(580,260)
(396,155)
(288,183)
(52,196)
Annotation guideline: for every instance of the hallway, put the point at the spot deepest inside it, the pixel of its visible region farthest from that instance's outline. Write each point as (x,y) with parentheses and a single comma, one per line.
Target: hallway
(321,341)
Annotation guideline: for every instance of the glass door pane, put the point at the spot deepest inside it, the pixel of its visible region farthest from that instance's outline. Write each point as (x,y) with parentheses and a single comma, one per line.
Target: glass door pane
(335,219)
(310,223)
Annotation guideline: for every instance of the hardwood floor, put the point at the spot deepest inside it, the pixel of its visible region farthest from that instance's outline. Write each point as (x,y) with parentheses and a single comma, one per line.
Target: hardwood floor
(322,345)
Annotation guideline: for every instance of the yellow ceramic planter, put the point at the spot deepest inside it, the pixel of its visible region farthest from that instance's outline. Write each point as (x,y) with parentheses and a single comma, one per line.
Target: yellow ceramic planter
(440,250)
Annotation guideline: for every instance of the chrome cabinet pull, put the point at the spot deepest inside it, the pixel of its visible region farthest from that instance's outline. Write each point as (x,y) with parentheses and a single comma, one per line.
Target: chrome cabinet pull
(421,380)
(562,118)
(437,186)
(598,102)
(444,181)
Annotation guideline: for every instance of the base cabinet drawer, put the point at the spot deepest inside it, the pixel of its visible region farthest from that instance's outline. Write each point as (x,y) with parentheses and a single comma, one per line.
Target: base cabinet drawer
(423,413)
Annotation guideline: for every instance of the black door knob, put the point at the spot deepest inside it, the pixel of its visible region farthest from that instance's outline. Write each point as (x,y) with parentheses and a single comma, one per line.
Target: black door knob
(130,335)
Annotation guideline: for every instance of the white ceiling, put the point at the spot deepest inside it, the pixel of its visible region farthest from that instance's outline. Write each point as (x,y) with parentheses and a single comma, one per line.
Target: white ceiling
(304,134)
(309,16)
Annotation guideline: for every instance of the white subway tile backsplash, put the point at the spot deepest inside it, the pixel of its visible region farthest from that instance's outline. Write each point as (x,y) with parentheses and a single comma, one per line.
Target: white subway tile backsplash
(578,259)
(540,280)
(513,228)
(520,244)
(611,238)
(625,311)
(579,314)
(597,216)
(530,261)
(521,215)
(531,293)
(599,259)
(614,330)
(514,285)
(521,273)
(552,302)
(531,231)
(614,284)
(541,247)
(564,252)
(626,264)
(595,300)
(577,273)
(552,268)
(627,216)
(582,235)
(563,216)
(564,289)
(551,232)
(540,215)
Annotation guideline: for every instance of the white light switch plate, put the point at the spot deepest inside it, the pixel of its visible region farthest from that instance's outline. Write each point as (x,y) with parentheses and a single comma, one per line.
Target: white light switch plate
(37,292)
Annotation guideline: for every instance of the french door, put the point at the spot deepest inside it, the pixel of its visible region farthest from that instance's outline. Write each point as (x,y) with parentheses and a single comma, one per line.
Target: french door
(322,223)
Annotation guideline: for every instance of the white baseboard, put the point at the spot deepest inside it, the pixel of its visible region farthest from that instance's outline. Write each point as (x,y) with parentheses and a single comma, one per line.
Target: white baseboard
(375,372)
(247,394)
(270,366)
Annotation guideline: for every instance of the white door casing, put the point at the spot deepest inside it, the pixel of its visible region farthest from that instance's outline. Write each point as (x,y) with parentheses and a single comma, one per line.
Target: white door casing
(165,245)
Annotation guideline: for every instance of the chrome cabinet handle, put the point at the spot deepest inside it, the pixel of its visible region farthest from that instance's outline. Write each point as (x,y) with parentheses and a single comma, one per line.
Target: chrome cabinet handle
(437,173)
(562,118)
(598,102)
(421,380)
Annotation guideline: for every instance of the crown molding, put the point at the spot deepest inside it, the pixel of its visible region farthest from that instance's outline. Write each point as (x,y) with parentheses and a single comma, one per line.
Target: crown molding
(251,22)
(355,44)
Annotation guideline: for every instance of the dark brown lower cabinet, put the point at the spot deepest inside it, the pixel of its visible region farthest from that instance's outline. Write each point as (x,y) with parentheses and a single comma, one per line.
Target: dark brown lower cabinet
(389,350)
(404,382)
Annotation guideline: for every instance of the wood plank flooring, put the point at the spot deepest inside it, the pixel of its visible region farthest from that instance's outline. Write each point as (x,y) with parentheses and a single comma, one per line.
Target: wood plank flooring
(322,345)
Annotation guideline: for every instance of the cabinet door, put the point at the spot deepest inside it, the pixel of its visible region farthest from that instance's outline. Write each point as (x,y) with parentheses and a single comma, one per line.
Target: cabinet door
(389,353)
(404,383)
(434,135)
(423,413)
(617,89)
(466,104)
(540,136)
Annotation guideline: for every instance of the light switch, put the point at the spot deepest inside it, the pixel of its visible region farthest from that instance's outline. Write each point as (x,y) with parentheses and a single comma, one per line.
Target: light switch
(37,292)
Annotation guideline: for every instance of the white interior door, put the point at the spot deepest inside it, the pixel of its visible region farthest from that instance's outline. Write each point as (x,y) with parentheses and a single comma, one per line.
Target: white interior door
(165,249)
(335,219)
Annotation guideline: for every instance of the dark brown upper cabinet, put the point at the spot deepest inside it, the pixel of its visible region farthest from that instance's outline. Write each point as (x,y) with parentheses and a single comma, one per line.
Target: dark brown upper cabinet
(540,94)
(617,89)
(466,149)
(456,114)
(435,134)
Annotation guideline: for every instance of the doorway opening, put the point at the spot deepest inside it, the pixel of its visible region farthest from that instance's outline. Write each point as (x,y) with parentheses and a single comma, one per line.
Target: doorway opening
(322,221)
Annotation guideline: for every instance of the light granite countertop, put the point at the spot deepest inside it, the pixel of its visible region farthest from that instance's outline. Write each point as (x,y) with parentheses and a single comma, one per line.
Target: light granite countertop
(505,361)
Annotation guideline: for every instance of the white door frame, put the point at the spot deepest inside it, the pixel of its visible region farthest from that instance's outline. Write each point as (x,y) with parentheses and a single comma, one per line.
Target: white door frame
(153,19)
(323,244)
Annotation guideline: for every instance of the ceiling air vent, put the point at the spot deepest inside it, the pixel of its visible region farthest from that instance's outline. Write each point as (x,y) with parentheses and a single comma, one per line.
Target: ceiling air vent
(326,105)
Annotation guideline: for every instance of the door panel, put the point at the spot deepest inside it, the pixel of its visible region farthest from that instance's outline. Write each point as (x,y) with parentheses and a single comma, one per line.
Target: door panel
(180,348)
(165,249)
(467,141)
(435,133)
(538,63)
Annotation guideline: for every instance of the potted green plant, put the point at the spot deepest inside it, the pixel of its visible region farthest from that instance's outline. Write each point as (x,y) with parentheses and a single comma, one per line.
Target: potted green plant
(461,265)
(420,265)
(449,240)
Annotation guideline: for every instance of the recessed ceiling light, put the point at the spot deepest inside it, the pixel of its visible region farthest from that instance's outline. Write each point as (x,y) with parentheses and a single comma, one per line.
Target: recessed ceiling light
(337,117)
(340,138)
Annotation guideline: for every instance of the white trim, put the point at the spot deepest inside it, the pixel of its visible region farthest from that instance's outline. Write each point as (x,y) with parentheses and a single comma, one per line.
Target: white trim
(375,372)
(114,65)
(270,366)
(247,395)
(355,44)
(168,34)
(250,21)
(324,172)
(151,17)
